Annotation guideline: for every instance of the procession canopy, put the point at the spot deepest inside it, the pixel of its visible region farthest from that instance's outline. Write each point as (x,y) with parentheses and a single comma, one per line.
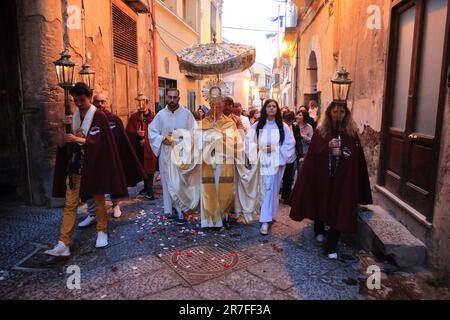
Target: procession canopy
(214,58)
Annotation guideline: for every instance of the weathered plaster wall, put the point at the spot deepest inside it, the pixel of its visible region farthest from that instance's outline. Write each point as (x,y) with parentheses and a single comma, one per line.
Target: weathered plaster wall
(40,38)
(439,240)
(339,37)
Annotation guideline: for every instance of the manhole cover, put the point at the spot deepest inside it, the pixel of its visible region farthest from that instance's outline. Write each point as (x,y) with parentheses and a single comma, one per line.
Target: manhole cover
(205,261)
(37,260)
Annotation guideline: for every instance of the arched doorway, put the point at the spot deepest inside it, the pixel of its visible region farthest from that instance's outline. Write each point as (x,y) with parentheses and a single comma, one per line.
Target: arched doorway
(312,80)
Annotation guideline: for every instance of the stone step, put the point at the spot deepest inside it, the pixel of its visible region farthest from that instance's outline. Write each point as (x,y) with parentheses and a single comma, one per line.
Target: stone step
(378,231)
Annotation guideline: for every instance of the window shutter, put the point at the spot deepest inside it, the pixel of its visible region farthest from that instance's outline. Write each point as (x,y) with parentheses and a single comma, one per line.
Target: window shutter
(124,36)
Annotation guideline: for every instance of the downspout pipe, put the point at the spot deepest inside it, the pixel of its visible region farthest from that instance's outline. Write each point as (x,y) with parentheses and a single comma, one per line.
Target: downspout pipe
(155,54)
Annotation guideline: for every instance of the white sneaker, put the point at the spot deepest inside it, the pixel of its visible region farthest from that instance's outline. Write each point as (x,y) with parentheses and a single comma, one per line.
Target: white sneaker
(332,256)
(320,238)
(117,212)
(89,220)
(264,229)
(60,250)
(102,240)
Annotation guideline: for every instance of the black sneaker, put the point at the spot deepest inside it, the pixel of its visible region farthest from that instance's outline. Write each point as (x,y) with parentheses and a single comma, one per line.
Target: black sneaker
(150,197)
(181,222)
(142,192)
(226,224)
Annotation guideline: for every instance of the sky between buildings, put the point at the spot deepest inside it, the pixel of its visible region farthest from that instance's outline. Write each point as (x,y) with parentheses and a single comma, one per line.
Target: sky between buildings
(253,14)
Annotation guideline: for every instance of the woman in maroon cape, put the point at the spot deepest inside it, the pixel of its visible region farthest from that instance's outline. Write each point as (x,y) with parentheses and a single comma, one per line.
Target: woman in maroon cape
(333,180)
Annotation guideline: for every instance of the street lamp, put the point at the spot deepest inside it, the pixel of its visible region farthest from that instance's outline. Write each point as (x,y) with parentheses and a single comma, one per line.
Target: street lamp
(262,95)
(65,72)
(87,76)
(341,86)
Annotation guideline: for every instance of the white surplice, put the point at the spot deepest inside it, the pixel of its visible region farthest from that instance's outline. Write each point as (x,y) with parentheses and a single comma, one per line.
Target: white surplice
(271,164)
(163,124)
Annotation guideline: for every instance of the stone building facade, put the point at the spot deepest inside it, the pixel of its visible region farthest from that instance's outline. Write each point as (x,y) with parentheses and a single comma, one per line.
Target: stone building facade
(397,55)
(113,36)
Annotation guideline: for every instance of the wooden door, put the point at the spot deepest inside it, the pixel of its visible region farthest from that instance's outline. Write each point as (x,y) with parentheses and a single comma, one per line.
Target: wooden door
(415,98)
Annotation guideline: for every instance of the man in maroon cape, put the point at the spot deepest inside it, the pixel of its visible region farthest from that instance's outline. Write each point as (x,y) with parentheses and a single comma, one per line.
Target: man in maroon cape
(134,173)
(87,165)
(138,134)
(333,179)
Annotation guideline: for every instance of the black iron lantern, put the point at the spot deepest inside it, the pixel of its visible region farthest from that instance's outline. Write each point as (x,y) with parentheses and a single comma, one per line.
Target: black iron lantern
(262,95)
(65,70)
(141,99)
(341,86)
(87,76)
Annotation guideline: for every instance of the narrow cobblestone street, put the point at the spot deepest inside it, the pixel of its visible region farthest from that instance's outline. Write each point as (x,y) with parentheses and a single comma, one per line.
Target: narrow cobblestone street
(149,257)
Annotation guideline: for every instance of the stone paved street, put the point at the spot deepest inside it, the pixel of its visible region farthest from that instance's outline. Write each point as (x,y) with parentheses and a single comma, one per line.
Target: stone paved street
(149,257)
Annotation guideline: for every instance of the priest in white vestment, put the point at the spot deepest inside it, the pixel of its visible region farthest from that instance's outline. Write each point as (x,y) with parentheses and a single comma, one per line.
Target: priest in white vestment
(173,120)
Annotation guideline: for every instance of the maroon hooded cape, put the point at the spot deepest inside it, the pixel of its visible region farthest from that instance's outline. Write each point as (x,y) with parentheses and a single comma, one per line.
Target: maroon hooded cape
(102,169)
(332,200)
(149,160)
(134,173)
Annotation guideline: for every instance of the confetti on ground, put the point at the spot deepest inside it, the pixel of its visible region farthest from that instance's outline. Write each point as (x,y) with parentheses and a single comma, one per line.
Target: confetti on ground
(114,269)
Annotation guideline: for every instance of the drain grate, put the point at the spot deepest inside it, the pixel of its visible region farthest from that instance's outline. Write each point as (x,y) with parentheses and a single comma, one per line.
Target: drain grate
(38,261)
(204,261)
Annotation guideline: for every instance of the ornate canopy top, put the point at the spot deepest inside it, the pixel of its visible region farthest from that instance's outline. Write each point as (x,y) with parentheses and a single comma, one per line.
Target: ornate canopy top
(216,58)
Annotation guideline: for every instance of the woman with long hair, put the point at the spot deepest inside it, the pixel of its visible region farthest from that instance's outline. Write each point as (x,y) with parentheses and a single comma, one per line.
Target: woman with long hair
(254,116)
(304,129)
(272,141)
(333,180)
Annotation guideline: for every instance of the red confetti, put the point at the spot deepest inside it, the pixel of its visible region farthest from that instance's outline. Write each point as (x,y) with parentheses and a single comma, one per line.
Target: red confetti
(233,253)
(187,239)
(114,269)
(189,254)
(174,261)
(178,252)
(194,233)
(141,238)
(226,265)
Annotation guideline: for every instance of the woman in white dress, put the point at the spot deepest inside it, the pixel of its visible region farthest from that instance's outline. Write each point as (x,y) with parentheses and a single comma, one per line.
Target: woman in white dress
(271,141)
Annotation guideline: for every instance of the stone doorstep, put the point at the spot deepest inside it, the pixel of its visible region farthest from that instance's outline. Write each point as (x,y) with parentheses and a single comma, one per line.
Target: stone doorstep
(379,231)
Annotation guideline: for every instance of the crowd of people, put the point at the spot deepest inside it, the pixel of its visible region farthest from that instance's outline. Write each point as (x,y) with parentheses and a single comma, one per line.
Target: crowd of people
(219,161)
